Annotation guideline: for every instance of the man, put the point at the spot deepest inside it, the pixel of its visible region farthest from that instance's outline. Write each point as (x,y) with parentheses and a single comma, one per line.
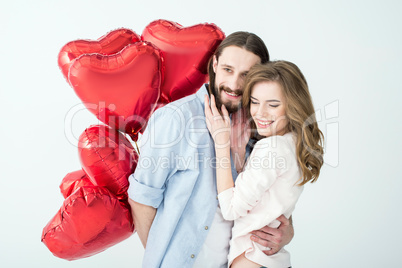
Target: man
(173,189)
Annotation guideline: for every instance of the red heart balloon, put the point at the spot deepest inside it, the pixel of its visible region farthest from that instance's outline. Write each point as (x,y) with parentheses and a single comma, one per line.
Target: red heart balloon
(121,89)
(111,43)
(90,220)
(73,181)
(108,158)
(186,52)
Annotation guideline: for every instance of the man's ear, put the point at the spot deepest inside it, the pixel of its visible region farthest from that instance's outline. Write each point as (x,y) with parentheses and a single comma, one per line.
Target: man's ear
(214,63)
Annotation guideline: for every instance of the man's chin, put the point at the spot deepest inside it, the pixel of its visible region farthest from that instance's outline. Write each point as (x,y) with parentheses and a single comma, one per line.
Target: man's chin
(232,107)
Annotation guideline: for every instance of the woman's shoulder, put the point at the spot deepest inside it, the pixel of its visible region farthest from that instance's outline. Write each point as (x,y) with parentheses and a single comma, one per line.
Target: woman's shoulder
(279,144)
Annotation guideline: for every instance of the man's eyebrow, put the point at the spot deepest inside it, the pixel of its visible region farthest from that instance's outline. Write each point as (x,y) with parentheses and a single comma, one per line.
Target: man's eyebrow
(266,100)
(227,65)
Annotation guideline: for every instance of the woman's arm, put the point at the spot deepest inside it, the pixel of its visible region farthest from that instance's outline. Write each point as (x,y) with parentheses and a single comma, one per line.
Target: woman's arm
(239,138)
(250,185)
(219,127)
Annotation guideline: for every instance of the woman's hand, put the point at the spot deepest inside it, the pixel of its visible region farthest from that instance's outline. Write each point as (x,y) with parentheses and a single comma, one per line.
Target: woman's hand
(217,124)
(239,138)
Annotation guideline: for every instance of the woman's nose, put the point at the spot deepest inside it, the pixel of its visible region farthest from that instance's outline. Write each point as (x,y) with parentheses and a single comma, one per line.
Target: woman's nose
(262,110)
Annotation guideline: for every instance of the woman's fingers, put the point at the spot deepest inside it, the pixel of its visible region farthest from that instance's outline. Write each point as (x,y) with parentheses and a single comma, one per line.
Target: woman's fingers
(218,125)
(208,112)
(225,111)
(213,106)
(212,113)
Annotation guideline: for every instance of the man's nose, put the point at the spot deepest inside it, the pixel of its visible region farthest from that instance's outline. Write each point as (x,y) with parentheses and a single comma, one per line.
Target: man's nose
(236,82)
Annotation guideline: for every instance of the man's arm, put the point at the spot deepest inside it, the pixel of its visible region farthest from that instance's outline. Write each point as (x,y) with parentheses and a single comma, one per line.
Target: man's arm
(143,216)
(275,238)
(148,182)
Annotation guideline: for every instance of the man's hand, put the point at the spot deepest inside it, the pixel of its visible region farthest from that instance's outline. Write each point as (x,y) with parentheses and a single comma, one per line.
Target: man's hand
(274,238)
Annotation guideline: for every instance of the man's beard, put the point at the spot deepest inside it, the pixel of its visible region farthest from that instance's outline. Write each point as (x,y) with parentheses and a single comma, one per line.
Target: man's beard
(229,106)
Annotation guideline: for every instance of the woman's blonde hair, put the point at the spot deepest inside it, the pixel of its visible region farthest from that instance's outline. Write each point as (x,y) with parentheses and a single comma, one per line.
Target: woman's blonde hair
(299,111)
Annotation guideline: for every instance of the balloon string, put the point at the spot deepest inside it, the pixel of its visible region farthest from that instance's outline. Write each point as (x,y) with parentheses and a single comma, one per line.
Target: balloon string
(136,145)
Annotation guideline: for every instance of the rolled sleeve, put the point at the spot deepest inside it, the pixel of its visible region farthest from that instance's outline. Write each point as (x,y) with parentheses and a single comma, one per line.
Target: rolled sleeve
(225,201)
(155,166)
(226,195)
(145,194)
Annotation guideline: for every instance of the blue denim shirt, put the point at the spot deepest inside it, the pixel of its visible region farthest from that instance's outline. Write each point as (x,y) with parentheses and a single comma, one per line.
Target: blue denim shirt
(176,175)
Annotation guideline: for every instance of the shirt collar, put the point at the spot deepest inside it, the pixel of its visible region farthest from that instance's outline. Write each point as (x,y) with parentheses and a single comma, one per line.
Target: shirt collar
(201,93)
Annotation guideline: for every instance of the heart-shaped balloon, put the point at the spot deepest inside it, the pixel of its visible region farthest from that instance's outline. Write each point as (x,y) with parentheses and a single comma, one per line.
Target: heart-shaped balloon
(120,89)
(90,220)
(108,158)
(109,44)
(73,181)
(186,52)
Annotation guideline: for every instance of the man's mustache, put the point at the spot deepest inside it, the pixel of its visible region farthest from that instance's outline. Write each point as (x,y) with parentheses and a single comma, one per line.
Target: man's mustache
(227,89)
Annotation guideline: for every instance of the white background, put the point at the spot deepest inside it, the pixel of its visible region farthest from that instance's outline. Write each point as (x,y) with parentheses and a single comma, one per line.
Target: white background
(349,52)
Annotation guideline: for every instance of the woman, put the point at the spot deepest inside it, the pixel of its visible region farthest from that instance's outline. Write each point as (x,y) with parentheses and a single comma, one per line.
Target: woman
(288,154)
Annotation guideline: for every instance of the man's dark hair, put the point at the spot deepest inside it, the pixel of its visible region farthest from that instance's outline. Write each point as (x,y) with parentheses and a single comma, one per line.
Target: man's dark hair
(245,40)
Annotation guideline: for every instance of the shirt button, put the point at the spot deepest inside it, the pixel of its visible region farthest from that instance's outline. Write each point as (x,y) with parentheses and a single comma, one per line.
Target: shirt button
(216,197)
(206,227)
(192,256)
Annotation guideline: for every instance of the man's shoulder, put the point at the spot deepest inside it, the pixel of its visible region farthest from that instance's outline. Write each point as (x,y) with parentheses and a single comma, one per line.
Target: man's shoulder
(185,106)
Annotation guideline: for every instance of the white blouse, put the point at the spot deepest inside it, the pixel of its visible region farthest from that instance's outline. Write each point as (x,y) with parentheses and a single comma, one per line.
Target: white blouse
(266,189)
